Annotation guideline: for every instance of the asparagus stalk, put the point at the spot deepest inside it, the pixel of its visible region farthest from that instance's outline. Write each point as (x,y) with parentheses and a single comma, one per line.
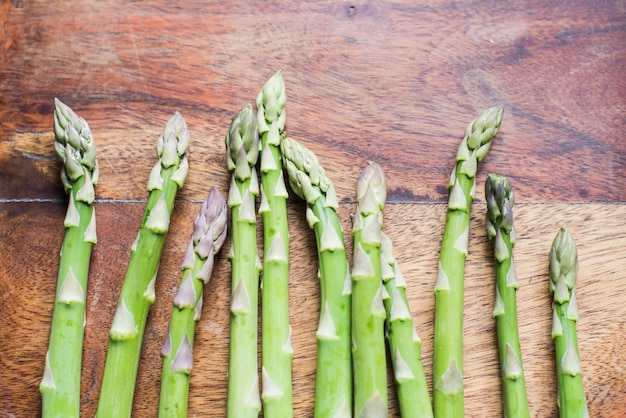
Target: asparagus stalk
(137,294)
(448,341)
(403,340)
(368,310)
(74,145)
(333,381)
(208,237)
(242,151)
(563,271)
(500,229)
(276,349)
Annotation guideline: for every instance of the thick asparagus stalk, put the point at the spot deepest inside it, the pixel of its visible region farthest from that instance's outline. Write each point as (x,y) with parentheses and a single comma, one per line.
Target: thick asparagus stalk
(448,341)
(403,340)
(208,237)
(563,271)
(137,294)
(276,349)
(242,151)
(333,382)
(500,229)
(368,310)
(74,145)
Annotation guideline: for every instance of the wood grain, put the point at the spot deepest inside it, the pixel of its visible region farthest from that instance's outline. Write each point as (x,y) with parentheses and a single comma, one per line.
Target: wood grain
(395,82)
(407,76)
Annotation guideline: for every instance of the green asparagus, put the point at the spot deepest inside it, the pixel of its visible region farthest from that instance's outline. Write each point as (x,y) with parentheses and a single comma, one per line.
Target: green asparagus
(499,224)
(448,339)
(242,152)
(563,271)
(74,145)
(137,294)
(308,180)
(208,237)
(368,310)
(276,349)
(403,340)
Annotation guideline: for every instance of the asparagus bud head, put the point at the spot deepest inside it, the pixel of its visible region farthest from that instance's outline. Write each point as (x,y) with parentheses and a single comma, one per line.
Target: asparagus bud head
(172,145)
(371,190)
(500,200)
(74,145)
(482,130)
(306,176)
(476,142)
(270,103)
(563,264)
(242,143)
(210,225)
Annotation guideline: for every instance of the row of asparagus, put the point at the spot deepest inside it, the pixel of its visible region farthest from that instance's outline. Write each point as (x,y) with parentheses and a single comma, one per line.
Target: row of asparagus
(361,305)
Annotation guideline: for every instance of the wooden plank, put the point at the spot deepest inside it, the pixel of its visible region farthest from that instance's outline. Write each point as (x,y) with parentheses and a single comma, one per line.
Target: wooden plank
(29,261)
(392,82)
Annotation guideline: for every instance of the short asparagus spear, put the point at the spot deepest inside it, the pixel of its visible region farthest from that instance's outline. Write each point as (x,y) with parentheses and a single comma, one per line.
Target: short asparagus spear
(563,271)
(448,339)
(333,382)
(500,229)
(137,294)
(74,145)
(242,151)
(276,349)
(403,340)
(368,310)
(208,237)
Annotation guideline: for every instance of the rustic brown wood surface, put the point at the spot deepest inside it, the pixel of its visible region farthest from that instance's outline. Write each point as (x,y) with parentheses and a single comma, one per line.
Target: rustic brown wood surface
(392,82)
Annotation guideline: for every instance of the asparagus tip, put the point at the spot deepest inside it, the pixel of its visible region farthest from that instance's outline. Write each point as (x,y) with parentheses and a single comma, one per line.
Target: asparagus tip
(563,263)
(242,138)
(74,145)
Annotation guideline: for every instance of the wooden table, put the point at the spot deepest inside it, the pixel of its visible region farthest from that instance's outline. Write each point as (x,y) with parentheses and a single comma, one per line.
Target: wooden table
(391,82)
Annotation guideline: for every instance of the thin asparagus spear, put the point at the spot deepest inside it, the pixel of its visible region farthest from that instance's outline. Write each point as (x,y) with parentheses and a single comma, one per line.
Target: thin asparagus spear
(208,237)
(563,271)
(368,310)
(137,294)
(276,349)
(500,229)
(404,341)
(74,145)
(333,381)
(242,151)
(448,341)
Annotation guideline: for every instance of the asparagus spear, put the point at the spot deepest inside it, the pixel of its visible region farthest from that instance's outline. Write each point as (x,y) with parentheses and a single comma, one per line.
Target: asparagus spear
(74,145)
(563,271)
(403,340)
(276,349)
(500,229)
(308,180)
(208,237)
(448,341)
(242,151)
(368,311)
(137,294)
